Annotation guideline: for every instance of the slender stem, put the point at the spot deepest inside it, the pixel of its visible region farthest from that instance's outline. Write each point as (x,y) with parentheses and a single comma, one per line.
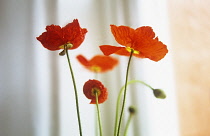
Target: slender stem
(119,99)
(96,130)
(98,111)
(125,90)
(117,111)
(75,91)
(138,81)
(117,108)
(96,75)
(127,125)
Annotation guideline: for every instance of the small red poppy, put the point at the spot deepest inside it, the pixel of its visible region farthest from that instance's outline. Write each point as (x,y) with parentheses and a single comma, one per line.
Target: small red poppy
(98,63)
(56,37)
(91,87)
(141,41)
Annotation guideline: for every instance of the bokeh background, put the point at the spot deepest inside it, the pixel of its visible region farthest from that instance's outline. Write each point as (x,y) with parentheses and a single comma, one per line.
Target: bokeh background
(36,92)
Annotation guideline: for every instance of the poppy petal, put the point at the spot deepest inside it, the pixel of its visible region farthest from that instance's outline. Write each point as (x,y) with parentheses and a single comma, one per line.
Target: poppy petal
(144,32)
(83,60)
(105,63)
(55,36)
(52,38)
(123,52)
(123,34)
(108,49)
(95,84)
(74,34)
(154,50)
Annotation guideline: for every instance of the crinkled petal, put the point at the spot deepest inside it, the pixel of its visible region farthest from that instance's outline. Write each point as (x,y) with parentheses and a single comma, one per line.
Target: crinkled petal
(145,32)
(74,34)
(142,34)
(52,38)
(108,49)
(55,36)
(123,34)
(153,49)
(142,41)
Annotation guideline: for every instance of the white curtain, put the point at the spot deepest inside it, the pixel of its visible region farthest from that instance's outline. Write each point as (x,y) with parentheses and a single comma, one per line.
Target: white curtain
(36,92)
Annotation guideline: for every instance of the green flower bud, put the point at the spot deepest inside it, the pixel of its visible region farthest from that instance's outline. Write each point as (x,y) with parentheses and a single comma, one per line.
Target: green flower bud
(158,93)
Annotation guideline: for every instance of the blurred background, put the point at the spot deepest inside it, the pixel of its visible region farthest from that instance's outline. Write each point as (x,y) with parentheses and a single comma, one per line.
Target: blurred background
(36,91)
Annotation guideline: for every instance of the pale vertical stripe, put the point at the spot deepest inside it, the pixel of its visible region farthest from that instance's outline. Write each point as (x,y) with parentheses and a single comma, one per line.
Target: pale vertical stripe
(54,93)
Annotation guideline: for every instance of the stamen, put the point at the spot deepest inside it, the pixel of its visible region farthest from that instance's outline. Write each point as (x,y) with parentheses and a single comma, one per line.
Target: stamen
(95,91)
(95,69)
(65,47)
(68,45)
(129,49)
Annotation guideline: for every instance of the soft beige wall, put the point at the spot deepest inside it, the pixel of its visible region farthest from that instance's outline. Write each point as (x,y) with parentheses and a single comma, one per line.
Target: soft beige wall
(190,27)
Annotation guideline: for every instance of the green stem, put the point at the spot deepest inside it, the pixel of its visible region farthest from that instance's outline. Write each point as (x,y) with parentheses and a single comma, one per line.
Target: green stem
(96,130)
(125,90)
(75,91)
(98,112)
(96,75)
(119,99)
(127,124)
(138,81)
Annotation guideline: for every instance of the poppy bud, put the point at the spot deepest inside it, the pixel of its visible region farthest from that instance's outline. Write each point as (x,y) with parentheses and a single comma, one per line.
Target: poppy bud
(62,53)
(132,110)
(158,93)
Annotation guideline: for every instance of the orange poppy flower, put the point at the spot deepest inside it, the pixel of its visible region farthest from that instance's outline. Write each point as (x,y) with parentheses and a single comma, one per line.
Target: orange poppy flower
(141,41)
(98,63)
(91,87)
(56,37)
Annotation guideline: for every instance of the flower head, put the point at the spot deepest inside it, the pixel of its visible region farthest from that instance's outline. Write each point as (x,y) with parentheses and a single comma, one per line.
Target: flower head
(55,38)
(141,41)
(93,87)
(98,63)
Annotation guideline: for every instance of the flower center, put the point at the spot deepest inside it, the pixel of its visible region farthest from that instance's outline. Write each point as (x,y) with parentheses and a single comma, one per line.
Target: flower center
(95,91)
(67,46)
(95,69)
(129,49)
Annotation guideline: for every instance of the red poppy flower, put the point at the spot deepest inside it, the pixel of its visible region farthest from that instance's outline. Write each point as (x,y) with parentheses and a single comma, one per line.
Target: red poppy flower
(91,87)
(56,37)
(98,63)
(141,41)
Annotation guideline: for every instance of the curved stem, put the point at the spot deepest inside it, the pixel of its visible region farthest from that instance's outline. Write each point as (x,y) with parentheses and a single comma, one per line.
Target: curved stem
(125,90)
(75,91)
(119,99)
(99,118)
(127,125)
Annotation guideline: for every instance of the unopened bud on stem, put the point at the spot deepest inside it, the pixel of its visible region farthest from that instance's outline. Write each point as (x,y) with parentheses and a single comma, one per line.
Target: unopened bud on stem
(132,110)
(158,93)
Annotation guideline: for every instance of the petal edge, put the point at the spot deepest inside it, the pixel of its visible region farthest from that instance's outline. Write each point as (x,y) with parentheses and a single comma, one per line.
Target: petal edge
(108,49)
